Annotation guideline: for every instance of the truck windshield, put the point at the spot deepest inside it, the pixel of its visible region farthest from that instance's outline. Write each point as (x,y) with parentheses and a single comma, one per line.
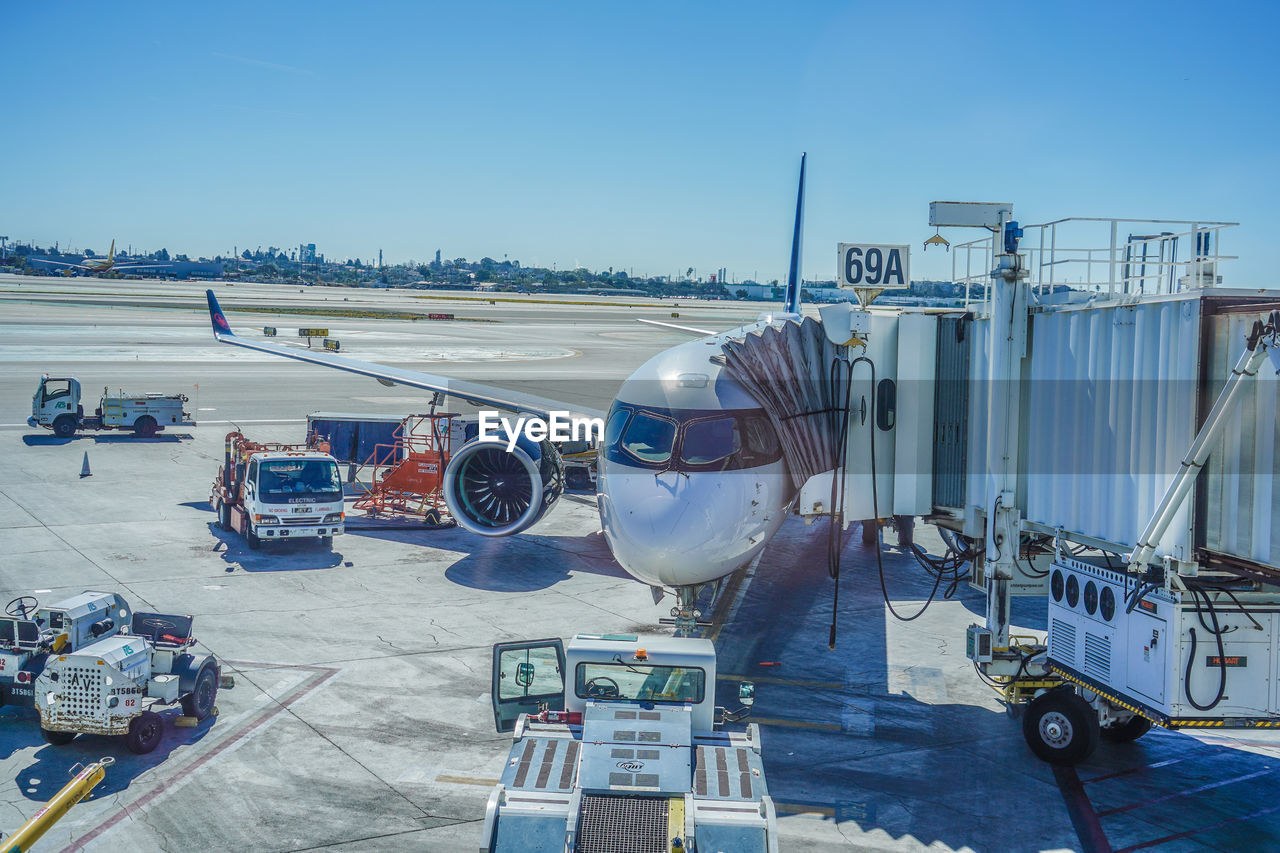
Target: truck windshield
(55,388)
(282,481)
(639,682)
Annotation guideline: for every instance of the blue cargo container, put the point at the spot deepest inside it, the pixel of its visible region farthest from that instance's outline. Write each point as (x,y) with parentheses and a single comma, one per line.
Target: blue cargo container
(353,437)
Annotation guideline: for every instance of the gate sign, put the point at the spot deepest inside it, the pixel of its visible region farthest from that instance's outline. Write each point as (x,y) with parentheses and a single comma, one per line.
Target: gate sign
(312,333)
(873,265)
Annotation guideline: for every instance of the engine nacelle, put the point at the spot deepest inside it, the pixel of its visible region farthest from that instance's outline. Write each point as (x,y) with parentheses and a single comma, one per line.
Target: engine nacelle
(494,492)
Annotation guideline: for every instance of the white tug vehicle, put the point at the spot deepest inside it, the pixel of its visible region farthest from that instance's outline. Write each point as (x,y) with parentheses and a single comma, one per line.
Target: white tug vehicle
(113,686)
(617,750)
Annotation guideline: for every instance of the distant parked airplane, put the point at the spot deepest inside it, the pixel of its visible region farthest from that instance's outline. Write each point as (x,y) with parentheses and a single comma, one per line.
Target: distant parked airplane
(101,265)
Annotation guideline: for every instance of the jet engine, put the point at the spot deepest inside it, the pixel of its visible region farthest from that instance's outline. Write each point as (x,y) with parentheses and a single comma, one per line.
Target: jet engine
(496,492)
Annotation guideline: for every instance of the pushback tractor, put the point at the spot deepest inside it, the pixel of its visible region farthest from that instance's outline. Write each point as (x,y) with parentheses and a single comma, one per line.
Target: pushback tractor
(115,685)
(618,749)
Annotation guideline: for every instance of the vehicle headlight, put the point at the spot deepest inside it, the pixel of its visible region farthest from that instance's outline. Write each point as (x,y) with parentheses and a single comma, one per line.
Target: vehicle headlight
(334,517)
(266,519)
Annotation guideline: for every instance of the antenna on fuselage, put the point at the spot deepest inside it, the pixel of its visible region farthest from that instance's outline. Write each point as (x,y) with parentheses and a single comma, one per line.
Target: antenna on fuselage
(792,303)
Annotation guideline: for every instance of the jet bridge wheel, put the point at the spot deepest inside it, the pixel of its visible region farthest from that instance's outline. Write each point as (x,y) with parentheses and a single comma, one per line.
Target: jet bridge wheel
(1061,727)
(1131,729)
(145,732)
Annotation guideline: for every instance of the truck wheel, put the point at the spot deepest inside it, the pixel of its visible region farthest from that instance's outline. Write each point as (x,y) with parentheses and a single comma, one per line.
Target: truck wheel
(64,427)
(145,731)
(57,738)
(199,702)
(144,427)
(254,542)
(1131,729)
(224,515)
(1060,727)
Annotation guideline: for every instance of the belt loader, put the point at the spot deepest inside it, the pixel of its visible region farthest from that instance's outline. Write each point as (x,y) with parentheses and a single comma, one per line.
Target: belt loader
(616,750)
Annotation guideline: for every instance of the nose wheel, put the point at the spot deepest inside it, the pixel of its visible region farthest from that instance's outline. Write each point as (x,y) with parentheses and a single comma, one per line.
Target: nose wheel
(686,616)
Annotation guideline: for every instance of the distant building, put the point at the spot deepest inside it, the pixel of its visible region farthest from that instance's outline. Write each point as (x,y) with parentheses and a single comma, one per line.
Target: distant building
(307,253)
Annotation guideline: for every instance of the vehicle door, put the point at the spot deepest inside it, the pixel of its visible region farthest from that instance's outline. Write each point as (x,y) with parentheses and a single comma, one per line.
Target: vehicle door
(526,675)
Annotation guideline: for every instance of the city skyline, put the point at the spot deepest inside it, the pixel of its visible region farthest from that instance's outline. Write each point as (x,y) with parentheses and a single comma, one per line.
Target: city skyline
(653,141)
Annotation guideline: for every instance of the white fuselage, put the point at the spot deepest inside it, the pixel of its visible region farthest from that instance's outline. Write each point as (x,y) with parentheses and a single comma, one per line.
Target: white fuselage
(675,529)
(692,483)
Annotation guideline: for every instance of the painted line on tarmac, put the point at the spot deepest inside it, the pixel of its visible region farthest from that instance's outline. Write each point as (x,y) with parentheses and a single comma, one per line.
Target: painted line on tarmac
(787,682)
(797,724)
(1080,810)
(734,594)
(1118,773)
(1196,790)
(467,780)
(320,676)
(1166,839)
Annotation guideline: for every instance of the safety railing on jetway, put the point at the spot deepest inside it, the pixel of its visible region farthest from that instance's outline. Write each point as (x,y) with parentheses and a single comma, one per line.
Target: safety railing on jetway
(1102,258)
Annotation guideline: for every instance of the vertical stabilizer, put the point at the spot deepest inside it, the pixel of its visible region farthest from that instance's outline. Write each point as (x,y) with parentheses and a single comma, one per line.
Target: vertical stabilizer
(792,303)
(111,253)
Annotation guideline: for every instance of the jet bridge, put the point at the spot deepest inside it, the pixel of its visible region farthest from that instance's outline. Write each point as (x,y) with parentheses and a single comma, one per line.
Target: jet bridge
(1074,442)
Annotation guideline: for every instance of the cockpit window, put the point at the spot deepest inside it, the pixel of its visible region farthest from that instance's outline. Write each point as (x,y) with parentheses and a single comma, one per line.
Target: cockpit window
(710,441)
(649,437)
(690,439)
(613,429)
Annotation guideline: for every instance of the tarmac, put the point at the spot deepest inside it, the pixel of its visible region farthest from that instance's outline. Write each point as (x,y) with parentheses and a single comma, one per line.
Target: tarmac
(360,719)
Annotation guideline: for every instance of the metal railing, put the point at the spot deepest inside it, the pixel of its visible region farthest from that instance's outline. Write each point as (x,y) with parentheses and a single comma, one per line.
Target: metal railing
(1107,258)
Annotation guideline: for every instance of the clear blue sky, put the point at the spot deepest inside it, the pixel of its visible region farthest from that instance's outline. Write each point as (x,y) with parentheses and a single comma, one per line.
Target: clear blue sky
(653,136)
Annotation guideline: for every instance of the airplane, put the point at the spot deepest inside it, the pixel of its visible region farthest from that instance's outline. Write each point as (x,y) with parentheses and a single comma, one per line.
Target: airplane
(102,265)
(692,484)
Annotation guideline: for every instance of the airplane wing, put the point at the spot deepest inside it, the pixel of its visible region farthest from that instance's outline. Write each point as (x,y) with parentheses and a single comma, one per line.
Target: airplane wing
(689,329)
(63,264)
(470,392)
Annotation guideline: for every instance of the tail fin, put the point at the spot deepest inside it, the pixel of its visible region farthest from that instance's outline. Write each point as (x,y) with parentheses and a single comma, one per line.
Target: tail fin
(111,253)
(792,303)
(221,329)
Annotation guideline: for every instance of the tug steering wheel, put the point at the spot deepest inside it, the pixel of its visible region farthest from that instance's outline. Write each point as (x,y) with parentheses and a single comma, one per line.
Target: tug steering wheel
(602,687)
(22,607)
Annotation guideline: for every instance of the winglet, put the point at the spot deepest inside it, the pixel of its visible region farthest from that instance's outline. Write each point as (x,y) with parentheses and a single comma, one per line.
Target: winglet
(219,320)
(792,304)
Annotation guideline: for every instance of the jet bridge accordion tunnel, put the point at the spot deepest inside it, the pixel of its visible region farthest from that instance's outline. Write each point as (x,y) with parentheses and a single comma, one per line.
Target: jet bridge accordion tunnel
(1112,393)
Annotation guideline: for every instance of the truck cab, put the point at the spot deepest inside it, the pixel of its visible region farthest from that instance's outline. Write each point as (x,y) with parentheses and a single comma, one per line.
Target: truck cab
(275,496)
(29,633)
(618,745)
(56,404)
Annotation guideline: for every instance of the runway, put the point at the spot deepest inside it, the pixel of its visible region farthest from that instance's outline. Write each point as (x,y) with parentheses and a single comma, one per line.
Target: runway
(360,719)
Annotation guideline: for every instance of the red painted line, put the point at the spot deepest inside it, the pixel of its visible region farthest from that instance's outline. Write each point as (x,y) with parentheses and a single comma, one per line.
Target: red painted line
(1211,826)
(1185,793)
(1080,810)
(322,674)
(1133,770)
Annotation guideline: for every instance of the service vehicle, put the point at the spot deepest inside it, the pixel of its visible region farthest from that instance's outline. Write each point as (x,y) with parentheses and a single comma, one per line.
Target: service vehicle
(30,633)
(56,406)
(114,685)
(277,492)
(617,747)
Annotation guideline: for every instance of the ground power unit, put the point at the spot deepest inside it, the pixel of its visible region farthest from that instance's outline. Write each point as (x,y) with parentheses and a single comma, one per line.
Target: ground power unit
(1202,654)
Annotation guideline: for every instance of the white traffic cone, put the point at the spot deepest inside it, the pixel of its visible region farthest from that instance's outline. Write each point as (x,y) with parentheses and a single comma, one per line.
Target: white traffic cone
(84,469)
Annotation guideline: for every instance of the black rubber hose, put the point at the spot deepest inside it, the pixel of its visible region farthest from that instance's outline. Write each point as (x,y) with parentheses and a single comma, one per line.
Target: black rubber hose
(1191,657)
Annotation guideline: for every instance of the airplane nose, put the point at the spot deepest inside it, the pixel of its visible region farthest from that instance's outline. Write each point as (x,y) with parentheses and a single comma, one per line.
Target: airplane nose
(669,530)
